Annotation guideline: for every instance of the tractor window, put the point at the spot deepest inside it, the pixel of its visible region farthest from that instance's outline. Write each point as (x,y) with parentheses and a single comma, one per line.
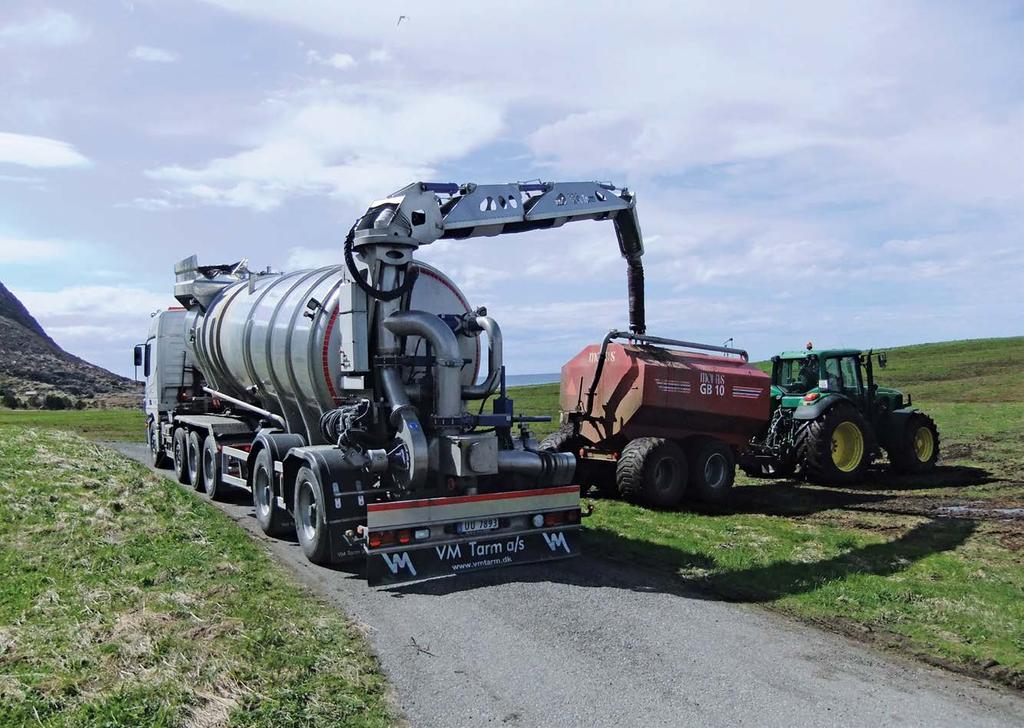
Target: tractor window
(797,376)
(851,380)
(832,374)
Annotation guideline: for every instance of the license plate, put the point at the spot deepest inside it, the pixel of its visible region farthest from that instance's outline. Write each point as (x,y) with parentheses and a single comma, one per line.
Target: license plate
(482,524)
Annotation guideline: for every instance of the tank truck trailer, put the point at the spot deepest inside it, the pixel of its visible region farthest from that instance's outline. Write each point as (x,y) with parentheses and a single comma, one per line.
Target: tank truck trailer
(344,400)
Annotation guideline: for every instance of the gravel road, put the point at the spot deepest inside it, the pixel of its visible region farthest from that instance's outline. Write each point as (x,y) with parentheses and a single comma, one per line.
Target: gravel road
(589,642)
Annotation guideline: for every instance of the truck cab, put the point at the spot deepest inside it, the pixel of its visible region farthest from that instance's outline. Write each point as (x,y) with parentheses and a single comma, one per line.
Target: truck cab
(166,366)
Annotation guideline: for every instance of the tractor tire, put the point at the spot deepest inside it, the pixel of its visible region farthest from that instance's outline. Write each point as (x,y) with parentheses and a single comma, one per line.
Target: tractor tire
(652,471)
(195,461)
(712,470)
(212,483)
(834,448)
(180,440)
(310,517)
(272,518)
(917,448)
(157,457)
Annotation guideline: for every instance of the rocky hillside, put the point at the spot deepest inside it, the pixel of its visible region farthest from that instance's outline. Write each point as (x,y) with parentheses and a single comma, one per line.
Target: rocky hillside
(36,372)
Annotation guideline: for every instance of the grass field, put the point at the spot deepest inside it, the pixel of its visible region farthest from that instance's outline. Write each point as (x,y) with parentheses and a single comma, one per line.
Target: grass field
(126,601)
(882,561)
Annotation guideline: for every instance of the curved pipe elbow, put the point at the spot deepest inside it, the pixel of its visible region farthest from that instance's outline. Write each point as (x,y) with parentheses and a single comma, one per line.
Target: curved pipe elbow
(448,356)
(495,359)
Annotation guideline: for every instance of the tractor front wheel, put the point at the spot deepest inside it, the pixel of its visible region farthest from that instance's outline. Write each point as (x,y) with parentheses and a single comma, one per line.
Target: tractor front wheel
(652,471)
(917,447)
(834,448)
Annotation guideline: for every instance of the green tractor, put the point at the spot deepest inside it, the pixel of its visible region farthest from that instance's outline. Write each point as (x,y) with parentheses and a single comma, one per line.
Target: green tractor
(829,420)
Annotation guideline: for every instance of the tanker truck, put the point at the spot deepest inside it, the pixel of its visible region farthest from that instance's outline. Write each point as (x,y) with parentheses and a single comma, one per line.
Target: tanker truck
(348,398)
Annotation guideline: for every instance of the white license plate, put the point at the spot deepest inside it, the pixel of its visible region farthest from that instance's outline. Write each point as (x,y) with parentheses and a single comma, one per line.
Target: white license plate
(482,524)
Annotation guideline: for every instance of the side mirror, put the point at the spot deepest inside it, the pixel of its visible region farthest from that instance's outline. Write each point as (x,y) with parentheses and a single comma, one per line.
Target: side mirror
(138,355)
(882,359)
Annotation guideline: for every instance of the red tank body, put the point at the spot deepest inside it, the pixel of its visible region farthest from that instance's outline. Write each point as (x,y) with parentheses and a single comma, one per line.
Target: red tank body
(647,391)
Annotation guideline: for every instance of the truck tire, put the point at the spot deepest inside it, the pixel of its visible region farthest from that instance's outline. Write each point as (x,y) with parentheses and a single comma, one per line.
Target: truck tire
(834,448)
(273,519)
(195,460)
(712,470)
(211,469)
(652,471)
(157,457)
(917,448)
(310,517)
(180,444)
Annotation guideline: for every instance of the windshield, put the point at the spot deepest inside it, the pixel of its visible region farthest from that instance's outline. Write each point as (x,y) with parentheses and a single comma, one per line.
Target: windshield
(796,376)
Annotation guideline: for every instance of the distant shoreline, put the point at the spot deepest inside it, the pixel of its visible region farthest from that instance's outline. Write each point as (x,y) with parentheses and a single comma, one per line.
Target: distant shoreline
(522,380)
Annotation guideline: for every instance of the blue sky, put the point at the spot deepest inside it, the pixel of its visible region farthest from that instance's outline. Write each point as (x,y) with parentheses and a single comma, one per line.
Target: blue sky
(848,173)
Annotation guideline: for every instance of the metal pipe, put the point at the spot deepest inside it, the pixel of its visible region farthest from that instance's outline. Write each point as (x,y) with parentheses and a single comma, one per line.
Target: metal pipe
(494,360)
(549,468)
(246,406)
(447,360)
(404,419)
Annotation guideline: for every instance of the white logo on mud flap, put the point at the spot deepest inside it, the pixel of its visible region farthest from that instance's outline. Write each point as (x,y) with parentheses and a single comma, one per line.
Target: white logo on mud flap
(399,561)
(554,540)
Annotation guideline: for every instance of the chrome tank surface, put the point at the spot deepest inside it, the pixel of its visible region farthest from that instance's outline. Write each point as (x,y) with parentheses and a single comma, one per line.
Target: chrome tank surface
(296,343)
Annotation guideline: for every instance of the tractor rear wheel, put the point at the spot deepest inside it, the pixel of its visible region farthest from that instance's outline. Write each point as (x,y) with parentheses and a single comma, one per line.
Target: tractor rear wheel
(180,440)
(712,470)
(834,448)
(652,471)
(917,447)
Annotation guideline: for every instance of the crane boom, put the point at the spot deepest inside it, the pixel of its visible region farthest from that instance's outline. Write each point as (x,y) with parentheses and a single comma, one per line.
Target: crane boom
(422,212)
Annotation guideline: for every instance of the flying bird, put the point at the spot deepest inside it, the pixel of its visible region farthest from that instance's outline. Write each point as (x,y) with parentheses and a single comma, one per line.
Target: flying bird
(400,19)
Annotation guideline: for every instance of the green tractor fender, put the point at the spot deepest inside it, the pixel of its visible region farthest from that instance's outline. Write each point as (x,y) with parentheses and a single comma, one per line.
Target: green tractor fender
(892,426)
(824,403)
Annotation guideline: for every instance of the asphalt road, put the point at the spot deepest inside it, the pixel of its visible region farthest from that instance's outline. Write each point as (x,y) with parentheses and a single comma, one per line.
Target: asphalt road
(590,642)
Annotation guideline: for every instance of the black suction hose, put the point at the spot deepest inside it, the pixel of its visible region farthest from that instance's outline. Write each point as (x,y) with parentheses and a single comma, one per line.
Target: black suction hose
(407,283)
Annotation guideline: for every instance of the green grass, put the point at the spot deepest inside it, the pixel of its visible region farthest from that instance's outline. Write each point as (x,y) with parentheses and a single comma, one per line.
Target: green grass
(126,601)
(94,424)
(873,561)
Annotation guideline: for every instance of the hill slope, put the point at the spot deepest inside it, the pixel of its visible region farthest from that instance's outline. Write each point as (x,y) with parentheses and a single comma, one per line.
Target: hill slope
(33,366)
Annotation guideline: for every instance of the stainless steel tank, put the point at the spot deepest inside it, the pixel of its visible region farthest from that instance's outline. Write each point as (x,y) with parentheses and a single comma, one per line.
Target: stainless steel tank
(296,343)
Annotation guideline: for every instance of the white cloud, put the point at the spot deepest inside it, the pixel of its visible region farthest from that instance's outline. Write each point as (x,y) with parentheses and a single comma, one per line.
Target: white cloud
(379,55)
(341,142)
(91,303)
(36,151)
(49,27)
(27,250)
(340,61)
(300,258)
(153,55)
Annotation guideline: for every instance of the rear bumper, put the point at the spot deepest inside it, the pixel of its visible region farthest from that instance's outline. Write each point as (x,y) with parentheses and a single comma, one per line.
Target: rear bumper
(444,552)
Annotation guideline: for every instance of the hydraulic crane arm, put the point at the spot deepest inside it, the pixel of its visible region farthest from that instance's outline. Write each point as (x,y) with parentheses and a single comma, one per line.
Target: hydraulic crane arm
(392,228)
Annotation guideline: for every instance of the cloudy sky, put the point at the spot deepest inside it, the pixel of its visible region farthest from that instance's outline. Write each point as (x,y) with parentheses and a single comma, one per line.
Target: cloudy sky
(847,173)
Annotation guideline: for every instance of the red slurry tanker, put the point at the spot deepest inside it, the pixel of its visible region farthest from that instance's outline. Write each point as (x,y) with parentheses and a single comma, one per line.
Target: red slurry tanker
(655,420)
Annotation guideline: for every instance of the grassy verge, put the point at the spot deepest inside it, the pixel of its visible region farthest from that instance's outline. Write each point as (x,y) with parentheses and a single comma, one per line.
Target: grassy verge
(126,602)
(95,424)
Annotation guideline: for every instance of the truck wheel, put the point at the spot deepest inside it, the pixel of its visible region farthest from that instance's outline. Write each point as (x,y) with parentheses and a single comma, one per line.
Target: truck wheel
(652,470)
(273,519)
(917,448)
(211,469)
(195,460)
(712,470)
(310,517)
(833,449)
(157,456)
(180,440)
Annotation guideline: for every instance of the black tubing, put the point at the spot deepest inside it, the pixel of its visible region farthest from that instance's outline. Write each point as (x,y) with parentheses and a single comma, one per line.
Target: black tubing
(407,284)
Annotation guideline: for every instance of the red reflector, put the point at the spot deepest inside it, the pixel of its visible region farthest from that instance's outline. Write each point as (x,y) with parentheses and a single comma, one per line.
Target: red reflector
(381,538)
(404,537)
(572,516)
(553,519)
(811,396)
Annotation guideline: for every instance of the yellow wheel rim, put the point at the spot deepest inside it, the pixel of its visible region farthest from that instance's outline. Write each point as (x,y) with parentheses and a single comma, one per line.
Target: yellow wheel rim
(847,447)
(924,444)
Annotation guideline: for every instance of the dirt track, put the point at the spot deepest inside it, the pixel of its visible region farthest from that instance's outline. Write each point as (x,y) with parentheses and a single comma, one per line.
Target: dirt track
(592,642)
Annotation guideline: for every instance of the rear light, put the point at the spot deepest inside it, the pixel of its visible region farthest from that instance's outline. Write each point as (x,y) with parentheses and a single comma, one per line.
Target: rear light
(382,538)
(811,396)
(554,519)
(404,536)
(572,516)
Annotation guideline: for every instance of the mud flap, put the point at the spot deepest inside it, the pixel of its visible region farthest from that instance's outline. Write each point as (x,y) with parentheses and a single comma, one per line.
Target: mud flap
(409,563)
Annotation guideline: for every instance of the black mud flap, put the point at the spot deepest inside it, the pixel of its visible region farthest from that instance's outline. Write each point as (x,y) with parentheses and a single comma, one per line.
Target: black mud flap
(401,564)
